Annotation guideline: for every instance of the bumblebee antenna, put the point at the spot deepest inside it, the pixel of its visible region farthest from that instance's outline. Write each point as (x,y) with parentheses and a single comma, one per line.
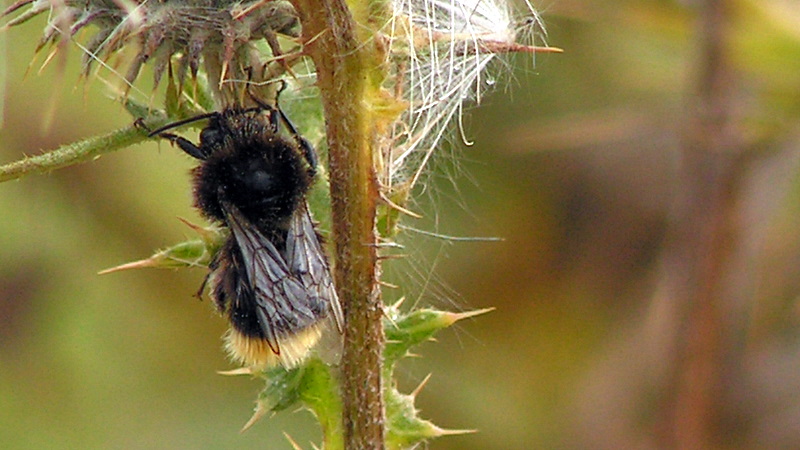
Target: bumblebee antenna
(308,150)
(180,123)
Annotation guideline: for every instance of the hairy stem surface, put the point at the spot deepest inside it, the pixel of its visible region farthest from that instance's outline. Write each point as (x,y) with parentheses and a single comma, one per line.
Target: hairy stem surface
(343,73)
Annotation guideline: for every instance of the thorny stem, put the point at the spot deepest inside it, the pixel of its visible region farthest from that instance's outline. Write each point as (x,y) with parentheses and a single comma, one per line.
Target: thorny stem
(87,149)
(343,74)
(68,155)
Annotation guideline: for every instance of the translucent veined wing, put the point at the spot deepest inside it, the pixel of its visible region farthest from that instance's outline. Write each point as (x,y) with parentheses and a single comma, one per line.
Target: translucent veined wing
(284,306)
(307,261)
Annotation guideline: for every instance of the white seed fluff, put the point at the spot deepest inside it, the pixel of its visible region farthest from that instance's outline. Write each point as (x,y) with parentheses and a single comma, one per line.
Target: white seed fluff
(445,48)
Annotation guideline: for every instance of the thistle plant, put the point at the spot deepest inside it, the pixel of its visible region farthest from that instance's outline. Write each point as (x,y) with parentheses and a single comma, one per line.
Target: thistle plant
(390,78)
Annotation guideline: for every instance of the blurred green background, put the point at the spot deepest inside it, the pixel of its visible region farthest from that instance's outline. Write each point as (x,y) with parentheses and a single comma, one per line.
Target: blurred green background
(574,166)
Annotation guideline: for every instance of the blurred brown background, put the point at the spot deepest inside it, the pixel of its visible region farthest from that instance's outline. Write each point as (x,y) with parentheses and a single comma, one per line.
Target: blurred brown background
(602,336)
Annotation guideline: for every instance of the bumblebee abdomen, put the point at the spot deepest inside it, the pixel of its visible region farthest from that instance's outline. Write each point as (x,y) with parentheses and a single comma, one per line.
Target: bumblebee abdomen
(291,335)
(235,297)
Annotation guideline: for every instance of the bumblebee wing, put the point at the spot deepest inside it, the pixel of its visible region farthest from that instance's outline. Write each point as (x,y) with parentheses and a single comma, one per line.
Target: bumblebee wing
(282,302)
(306,259)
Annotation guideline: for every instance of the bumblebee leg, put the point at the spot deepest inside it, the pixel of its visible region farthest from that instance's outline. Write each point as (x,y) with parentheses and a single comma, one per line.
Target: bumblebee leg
(308,150)
(273,118)
(139,123)
(185,145)
(182,143)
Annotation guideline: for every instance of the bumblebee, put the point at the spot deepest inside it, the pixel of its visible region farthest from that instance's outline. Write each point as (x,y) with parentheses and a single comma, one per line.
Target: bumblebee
(270,278)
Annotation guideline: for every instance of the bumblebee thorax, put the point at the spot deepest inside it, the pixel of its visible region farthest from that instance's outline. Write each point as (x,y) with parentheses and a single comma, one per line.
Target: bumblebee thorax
(264,177)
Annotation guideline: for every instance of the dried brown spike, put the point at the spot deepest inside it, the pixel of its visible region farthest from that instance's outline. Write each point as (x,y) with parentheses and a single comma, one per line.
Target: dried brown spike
(35,10)
(197,41)
(93,48)
(217,34)
(59,27)
(161,62)
(228,42)
(181,69)
(136,66)
(15,6)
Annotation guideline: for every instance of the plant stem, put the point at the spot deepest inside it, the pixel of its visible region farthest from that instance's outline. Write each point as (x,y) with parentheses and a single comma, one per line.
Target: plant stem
(68,155)
(87,149)
(343,74)
(704,239)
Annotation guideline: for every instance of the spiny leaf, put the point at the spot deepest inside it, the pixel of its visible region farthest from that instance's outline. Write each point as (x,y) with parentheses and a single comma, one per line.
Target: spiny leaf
(406,331)
(404,426)
(186,254)
(311,384)
(194,253)
(282,390)
(320,394)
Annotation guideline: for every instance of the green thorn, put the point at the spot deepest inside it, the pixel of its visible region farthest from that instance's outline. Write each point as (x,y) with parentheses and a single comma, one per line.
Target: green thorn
(451,318)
